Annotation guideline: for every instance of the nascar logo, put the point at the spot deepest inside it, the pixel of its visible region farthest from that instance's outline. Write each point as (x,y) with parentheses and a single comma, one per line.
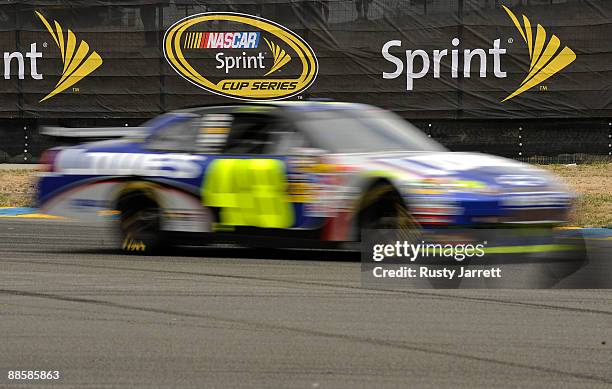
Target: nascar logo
(222,40)
(282,67)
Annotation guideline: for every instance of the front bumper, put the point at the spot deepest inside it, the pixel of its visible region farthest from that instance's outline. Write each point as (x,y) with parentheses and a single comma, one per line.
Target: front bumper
(551,208)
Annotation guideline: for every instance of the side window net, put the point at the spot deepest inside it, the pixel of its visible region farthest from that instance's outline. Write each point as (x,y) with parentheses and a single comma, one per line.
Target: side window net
(249,135)
(213,130)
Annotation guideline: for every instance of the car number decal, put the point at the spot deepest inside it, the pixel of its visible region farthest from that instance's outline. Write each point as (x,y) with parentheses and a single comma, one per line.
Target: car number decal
(249,192)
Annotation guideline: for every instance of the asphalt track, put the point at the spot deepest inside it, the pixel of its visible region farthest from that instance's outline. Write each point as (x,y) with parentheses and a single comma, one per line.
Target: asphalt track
(243,318)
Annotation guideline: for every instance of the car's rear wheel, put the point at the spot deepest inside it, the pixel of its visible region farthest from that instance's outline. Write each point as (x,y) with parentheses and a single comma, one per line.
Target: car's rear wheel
(140,224)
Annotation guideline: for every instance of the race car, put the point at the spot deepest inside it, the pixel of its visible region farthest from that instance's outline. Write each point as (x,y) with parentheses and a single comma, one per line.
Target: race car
(287,174)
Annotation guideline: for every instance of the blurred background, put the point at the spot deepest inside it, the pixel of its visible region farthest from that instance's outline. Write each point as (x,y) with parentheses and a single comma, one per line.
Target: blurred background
(566,120)
(135,82)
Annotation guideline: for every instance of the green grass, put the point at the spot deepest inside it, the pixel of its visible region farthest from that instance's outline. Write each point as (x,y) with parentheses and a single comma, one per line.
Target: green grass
(16,188)
(593,182)
(594,210)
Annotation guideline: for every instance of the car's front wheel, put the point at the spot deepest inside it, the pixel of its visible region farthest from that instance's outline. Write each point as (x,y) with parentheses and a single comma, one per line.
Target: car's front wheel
(385,216)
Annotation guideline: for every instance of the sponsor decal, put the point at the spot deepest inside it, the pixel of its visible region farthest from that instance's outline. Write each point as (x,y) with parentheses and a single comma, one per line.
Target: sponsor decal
(77,61)
(131,244)
(520,180)
(545,59)
(537,200)
(249,192)
(240,56)
(222,40)
(437,58)
(81,162)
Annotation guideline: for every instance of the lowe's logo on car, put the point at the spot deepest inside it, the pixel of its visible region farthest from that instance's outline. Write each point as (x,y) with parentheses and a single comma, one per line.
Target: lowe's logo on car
(240,56)
(81,162)
(545,58)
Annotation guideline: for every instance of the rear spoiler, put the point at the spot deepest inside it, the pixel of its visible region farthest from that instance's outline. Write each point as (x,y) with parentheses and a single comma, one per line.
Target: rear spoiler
(101,133)
(93,132)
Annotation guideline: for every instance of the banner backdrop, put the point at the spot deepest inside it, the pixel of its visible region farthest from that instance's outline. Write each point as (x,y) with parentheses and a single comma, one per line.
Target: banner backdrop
(441,59)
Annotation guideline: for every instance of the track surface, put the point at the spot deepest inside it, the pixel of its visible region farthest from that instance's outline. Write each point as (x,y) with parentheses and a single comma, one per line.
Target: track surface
(243,318)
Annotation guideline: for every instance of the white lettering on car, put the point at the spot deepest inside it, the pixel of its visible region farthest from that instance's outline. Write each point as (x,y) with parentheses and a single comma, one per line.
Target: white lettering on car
(81,162)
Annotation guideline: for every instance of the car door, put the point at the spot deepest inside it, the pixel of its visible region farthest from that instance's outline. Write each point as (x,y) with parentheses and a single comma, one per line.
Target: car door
(246,184)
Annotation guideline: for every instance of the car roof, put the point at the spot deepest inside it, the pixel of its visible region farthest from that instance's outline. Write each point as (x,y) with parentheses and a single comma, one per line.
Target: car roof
(319,105)
(302,106)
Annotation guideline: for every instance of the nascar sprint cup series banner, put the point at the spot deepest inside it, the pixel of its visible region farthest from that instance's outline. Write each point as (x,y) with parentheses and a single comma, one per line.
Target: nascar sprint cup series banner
(481,59)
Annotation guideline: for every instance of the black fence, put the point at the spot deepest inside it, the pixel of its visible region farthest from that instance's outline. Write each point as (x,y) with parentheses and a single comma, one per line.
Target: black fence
(534,141)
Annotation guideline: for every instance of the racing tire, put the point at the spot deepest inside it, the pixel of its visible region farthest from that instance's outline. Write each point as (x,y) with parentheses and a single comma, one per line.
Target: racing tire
(140,224)
(385,211)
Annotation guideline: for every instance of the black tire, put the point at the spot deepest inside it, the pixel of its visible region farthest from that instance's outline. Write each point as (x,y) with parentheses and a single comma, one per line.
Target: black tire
(384,209)
(140,224)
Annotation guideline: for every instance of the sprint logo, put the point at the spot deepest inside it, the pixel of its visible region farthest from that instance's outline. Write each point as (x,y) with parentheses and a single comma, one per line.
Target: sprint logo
(281,58)
(77,64)
(545,61)
(77,61)
(237,40)
(244,67)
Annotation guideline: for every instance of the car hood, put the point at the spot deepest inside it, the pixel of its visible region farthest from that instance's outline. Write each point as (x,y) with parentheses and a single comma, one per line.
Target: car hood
(504,174)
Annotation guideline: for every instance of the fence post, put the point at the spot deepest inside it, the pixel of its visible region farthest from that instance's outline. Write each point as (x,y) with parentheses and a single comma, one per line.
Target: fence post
(18,48)
(25,143)
(520,139)
(162,79)
(610,138)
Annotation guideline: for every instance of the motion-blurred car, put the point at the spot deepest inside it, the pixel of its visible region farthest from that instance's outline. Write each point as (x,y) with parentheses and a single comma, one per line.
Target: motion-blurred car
(288,174)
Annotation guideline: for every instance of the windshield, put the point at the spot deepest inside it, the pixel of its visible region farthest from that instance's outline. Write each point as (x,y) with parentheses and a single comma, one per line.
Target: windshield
(367,130)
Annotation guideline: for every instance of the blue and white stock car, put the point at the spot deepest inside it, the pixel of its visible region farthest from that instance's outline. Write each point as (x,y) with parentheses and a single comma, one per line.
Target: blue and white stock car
(289,174)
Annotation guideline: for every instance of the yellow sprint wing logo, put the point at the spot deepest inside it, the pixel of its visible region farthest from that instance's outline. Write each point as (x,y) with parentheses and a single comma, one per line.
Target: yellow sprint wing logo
(76,62)
(281,58)
(545,61)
